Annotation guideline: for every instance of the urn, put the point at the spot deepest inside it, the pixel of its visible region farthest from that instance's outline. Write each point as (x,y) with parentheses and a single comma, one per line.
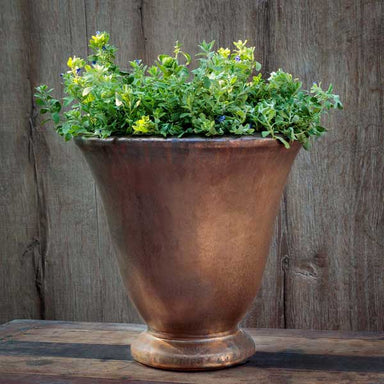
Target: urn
(191,220)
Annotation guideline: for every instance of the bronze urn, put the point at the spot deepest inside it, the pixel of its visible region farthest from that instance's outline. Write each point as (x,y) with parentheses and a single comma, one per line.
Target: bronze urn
(191,220)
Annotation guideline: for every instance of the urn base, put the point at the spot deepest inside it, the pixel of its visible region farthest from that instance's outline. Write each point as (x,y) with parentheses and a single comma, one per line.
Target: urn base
(193,354)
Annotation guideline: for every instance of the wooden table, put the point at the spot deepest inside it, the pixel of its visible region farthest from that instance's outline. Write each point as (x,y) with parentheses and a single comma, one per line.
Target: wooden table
(57,352)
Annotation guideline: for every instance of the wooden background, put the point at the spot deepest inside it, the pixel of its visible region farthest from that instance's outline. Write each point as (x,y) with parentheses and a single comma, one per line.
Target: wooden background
(326,267)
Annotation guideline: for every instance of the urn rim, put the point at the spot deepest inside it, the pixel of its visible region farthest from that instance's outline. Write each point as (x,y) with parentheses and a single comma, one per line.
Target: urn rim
(199,141)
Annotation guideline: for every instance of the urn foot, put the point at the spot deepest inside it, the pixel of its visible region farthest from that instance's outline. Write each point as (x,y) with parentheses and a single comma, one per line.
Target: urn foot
(193,354)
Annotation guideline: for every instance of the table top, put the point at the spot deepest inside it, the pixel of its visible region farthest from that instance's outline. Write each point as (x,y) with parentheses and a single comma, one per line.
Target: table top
(57,352)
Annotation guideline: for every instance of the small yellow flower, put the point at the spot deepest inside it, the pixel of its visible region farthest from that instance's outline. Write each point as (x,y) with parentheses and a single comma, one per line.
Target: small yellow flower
(143,126)
(100,40)
(224,52)
(75,63)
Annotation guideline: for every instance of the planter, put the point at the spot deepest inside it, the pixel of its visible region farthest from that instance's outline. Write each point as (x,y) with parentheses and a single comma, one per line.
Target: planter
(191,220)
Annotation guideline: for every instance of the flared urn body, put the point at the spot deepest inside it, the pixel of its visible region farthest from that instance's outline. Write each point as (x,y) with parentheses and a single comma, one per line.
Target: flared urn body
(191,220)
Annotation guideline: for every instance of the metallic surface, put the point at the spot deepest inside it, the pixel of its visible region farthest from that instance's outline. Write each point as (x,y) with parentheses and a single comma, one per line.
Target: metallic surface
(191,220)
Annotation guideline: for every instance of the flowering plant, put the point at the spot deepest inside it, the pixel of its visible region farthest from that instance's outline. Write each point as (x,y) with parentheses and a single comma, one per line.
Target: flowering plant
(222,96)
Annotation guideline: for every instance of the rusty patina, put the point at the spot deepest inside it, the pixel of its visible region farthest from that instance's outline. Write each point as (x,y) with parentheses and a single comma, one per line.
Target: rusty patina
(191,220)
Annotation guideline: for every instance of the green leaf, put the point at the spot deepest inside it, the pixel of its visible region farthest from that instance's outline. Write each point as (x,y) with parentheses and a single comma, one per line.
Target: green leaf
(206,82)
(306,144)
(56,117)
(67,101)
(39,101)
(86,91)
(56,106)
(285,142)
(187,57)
(265,133)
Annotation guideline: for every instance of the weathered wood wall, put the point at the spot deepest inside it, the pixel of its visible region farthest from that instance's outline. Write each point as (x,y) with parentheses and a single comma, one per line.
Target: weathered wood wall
(326,267)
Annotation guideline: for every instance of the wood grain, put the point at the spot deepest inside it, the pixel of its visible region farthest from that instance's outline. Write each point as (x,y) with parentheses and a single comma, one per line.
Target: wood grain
(334,201)
(325,269)
(81,276)
(49,379)
(282,356)
(22,214)
(348,346)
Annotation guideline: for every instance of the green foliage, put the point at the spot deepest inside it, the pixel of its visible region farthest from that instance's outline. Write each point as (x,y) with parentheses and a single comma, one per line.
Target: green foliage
(222,96)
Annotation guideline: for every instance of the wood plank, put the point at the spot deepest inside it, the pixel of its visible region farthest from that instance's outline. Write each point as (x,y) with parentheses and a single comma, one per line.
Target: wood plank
(81,275)
(315,334)
(60,335)
(69,350)
(51,329)
(58,31)
(122,19)
(48,379)
(21,213)
(334,228)
(73,324)
(12,328)
(268,342)
(114,369)
(64,352)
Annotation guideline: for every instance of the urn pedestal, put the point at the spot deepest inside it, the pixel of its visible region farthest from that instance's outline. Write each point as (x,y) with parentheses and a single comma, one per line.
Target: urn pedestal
(191,220)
